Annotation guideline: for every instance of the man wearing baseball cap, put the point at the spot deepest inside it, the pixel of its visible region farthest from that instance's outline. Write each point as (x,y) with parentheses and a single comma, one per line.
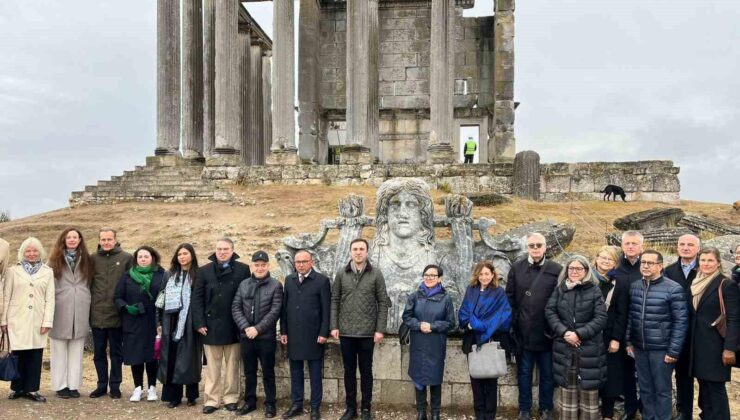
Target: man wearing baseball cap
(256,310)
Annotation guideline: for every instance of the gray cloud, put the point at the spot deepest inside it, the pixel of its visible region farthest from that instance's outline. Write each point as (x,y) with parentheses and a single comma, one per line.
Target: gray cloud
(605,80)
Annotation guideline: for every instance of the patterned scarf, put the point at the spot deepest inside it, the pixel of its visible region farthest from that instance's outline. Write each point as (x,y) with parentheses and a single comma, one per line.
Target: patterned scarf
(71,256)
(177,300)
(570,285)
(143,277)
(31,268)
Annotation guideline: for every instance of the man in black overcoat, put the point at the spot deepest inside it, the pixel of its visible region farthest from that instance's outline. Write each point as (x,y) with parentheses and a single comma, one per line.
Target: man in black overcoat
(683,272)
(304,327)
(627,272)
(213,293)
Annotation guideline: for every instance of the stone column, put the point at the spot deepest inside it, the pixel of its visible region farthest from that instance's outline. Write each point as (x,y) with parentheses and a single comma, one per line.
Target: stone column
(245,103)
(504,147)
(168,78)
(227,83)
(361,83)
(209,76)
(255,106)
(309,79)
(283,150)
(266,101)
(439,149)
(192,79)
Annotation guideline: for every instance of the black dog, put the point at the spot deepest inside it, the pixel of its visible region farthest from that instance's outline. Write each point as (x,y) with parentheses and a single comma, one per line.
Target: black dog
(615,190)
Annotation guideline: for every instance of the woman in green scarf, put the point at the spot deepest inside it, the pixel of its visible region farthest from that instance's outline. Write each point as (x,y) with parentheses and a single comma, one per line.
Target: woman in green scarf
(135,296)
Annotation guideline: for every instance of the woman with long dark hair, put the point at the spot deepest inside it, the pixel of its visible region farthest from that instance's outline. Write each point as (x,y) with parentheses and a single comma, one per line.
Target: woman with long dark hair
(73,271)
(485,315)
(134,297)
(181,349)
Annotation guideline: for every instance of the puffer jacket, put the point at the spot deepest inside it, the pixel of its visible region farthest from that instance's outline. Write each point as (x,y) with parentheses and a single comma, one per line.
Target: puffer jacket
(658,316)
(582,311)
(359,304)
(258,303)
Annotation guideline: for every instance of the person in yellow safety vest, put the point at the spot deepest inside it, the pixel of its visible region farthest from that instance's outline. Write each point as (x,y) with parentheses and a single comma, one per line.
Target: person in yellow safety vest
(470,147)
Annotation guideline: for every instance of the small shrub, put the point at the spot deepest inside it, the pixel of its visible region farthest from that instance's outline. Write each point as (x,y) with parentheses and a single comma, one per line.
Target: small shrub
(5,216)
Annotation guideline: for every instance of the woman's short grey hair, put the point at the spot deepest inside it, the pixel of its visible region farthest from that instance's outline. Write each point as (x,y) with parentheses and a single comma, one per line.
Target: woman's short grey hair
(589,278)
(34,242)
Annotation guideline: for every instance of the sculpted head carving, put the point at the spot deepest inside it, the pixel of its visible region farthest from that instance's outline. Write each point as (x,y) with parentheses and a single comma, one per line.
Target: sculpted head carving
(404,210)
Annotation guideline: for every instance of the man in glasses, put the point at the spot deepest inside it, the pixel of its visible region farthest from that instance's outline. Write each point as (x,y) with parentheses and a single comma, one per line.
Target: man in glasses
(529,286)
(683,272)
(304,328)
(656,328)
(359,316)
(627,272)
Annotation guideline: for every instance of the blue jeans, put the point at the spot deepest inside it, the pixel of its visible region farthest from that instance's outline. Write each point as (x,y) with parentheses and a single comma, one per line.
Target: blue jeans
(525,367)
(315,371)
(654,377)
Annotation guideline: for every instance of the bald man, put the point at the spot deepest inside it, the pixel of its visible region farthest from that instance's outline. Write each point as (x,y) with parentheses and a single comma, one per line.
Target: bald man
(683,272)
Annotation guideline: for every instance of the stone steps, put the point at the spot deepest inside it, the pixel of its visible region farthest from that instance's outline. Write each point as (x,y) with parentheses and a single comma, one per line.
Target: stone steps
(178,181)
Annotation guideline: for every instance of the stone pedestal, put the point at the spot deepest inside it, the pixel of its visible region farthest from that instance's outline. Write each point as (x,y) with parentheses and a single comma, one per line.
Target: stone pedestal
(283,157)
(356,155)
(441,153)
(221,159)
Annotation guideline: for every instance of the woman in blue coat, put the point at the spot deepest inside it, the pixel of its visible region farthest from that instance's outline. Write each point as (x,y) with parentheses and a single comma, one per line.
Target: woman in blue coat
(430,315)
(485,315)
(135,295)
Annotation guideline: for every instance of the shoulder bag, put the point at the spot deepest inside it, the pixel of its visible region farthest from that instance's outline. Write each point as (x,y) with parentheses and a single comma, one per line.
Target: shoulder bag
(8,361)
(487,361)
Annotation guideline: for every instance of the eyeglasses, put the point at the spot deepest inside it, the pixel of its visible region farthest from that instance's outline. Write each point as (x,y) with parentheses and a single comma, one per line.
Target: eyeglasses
(430,276)
(648,264)
(602,258)
(302,261)
(535,246)
(576,269)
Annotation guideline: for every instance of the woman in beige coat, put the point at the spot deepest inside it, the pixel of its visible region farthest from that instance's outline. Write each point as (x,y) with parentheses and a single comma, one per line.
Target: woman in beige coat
(73,272)
(28,315)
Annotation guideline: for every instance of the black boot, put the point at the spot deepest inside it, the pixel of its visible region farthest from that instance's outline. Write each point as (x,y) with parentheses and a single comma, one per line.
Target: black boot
(421,404)
(435,415)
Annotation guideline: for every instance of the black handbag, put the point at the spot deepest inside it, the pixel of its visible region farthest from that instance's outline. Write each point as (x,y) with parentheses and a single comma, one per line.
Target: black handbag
(404,334)
(8,361)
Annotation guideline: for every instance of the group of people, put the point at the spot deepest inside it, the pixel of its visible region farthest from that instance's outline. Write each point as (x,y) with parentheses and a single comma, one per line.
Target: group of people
(595,329)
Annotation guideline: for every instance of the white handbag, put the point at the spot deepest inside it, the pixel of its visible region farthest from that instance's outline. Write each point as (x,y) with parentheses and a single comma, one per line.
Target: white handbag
(487,361)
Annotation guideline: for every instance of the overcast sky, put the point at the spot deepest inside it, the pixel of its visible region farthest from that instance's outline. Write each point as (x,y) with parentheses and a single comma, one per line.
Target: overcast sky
(600,80)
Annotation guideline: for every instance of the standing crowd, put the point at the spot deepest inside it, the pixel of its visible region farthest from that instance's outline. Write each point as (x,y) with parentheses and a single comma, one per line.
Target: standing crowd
(598,330)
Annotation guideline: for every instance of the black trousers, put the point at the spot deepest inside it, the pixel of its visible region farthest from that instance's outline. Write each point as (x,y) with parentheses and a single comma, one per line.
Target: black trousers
(713,400)
(631,403)
(262,351)
(435,396)
(137,371)
(172,391)
(607,406)
(485,398)
(29,367)
(469,158)
(105,339)
(358,351)
(684,387)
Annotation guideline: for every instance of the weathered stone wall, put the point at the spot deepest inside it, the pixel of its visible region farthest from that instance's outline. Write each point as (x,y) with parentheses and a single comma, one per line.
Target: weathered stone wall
(404,74)
(644,180)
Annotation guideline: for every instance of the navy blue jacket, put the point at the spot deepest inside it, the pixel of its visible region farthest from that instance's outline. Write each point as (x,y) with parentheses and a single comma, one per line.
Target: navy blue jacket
(658,316)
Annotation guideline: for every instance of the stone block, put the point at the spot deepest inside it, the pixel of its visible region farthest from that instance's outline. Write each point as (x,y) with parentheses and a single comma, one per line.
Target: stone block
(505,5)
(340,26)
(417,73)
(385,88)
(398,23)
(555,183)
(456,364)
(392,74)
(329,74)
(399,60)
(397,35)
(411,87)
(397,392)
(666,183)
(504,90)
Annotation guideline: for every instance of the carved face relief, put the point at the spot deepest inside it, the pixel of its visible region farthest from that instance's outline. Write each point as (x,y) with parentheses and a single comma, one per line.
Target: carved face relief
(404,215)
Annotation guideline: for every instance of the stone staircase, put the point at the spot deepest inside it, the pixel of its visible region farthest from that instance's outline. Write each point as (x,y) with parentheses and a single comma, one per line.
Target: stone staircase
(180,181)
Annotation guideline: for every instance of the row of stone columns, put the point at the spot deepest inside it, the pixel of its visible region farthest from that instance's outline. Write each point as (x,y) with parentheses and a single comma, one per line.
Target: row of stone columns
(214,100)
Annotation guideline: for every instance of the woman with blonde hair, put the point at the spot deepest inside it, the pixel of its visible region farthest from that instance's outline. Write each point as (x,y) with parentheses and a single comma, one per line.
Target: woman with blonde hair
(616,301)
(73,271)
(485,316)
(28,315)
(577,316)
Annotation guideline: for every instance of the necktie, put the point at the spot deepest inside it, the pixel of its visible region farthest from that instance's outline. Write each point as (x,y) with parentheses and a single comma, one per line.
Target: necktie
(300,278)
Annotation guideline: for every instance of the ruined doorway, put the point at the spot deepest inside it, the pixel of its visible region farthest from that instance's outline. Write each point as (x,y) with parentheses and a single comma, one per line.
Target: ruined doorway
(467,131)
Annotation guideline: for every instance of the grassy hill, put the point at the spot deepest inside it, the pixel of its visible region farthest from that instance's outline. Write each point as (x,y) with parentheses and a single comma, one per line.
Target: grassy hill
(262,216)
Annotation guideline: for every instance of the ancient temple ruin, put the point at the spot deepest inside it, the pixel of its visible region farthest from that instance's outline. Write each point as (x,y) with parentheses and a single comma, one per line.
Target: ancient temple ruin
(389,81)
